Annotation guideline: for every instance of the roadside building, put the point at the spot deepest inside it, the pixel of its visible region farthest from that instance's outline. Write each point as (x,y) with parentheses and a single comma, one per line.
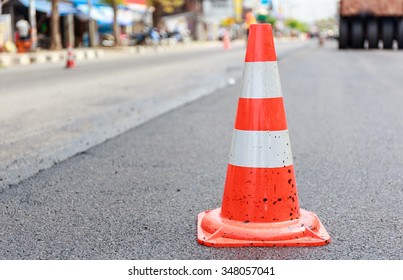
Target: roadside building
(74,19)
(214,13)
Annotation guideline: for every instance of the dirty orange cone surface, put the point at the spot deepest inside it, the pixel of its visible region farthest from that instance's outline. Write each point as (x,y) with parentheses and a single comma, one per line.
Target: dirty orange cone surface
(260,203)
(71,63)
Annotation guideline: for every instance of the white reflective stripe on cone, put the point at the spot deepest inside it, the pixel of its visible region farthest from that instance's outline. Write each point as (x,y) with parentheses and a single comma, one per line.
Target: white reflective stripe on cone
(261,80)
(266,149)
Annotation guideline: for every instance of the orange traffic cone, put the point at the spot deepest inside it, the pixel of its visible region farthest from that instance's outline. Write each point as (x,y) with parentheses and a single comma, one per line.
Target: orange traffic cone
(71,62)
(260,203)
(226,40)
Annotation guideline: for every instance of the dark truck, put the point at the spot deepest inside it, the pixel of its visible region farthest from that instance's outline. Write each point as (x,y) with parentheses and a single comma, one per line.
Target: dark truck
(372,21)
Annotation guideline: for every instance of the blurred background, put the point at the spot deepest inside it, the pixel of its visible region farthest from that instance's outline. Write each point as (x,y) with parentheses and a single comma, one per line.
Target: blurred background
(56,24)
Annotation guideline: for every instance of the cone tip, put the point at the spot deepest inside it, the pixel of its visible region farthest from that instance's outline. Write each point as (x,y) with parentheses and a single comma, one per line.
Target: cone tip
(260,44)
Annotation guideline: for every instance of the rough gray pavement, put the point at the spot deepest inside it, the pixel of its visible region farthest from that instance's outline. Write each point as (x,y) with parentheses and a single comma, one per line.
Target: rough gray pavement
(49,113)
(137,196)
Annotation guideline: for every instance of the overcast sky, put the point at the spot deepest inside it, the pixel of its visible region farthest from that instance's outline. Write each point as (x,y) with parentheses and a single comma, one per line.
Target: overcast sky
(308,10)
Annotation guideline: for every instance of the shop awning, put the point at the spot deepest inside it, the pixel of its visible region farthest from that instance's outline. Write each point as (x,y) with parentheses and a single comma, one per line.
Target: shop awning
(104,14)
(45,6)
(137,5)
(100,12)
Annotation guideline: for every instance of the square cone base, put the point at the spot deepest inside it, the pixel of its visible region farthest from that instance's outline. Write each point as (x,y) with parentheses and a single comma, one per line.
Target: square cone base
(215,231)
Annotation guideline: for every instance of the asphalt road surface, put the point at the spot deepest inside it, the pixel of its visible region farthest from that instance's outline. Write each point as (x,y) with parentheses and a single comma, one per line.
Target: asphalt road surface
(137,196)
(48,113)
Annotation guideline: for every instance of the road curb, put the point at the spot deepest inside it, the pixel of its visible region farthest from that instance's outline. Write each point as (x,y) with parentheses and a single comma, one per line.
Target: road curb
(41,57)
(15,59)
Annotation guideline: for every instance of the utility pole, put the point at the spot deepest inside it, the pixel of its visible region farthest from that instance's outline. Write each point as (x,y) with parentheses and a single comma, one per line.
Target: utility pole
(69,30)
(32,21)
(91,25)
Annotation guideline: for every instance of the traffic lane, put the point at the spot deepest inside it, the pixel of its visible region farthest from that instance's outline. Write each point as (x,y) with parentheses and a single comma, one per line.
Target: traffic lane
(137,196)
(46,122)
(41,76)
(345,120)
(35,75)
(49,113)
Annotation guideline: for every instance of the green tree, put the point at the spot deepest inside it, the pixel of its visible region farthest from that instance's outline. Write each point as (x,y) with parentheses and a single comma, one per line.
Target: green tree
(55,38)
(297,25)
(326,24)
(116,29)
(266,19)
